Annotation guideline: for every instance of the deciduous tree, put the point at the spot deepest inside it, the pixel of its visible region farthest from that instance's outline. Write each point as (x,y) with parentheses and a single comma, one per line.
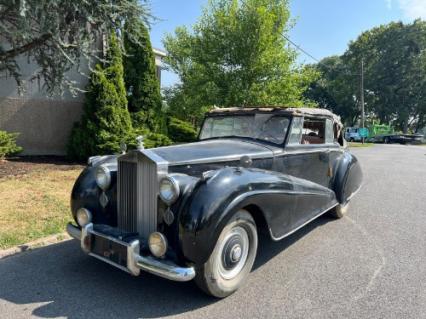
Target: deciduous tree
(236,55)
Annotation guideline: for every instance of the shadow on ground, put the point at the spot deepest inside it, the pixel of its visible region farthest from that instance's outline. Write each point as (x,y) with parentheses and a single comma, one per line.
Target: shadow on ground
(59,280)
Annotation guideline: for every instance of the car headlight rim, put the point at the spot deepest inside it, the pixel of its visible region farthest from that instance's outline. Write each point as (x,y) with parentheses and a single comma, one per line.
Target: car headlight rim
(83,217)
(157,244)
(169,190)
(103,177)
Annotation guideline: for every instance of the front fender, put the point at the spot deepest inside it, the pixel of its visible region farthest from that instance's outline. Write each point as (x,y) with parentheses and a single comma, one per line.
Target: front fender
(213,202)
(86,193)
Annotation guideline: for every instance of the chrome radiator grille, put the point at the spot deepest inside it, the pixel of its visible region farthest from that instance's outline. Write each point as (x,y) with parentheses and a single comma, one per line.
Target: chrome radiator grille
(137,192)
(127,199)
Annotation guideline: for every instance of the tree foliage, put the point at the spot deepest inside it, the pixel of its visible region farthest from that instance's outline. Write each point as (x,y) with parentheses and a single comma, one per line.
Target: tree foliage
(8,144)
(181,131)
(336,89)
(142,84)
(395,79)
(58,35)
(106,120)
(235,55)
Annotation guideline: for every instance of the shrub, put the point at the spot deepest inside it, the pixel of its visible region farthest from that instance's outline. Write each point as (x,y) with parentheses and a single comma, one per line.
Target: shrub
(106,120)
(140,77)
(8,144)
(151,140)
(181,131)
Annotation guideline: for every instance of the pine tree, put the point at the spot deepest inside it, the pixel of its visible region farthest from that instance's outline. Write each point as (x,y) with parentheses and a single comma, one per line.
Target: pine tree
(106,120)
(142,85)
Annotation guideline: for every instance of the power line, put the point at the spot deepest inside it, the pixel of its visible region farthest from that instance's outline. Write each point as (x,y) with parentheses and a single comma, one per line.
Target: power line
(315,59)
(301,49)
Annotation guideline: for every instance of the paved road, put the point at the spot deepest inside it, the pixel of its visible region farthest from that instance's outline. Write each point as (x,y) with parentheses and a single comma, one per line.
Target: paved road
(371,264)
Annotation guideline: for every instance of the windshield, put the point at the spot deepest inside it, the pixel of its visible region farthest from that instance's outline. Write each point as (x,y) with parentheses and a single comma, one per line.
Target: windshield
(265,127)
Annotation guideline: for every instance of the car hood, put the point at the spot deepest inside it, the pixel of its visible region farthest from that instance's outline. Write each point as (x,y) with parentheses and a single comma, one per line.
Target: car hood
(216,150)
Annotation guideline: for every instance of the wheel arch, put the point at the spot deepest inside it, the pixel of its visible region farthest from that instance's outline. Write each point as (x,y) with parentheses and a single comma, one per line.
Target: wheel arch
(258,215)
(348,177)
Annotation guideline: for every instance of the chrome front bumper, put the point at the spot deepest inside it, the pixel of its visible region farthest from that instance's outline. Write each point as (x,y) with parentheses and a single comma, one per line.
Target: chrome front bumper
(135,262)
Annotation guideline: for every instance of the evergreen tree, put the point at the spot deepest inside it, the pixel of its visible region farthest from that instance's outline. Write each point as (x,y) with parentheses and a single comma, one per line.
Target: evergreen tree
(58,36)
(143,87)
(106,120)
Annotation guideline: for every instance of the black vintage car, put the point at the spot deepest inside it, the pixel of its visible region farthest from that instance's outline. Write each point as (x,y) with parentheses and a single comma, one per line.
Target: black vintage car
(194,210)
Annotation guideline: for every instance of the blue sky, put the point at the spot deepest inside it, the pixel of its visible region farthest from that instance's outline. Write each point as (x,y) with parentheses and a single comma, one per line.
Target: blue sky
(323,27)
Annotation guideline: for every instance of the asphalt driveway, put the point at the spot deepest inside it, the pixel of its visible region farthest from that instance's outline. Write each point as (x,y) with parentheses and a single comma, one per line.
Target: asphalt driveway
(371,264)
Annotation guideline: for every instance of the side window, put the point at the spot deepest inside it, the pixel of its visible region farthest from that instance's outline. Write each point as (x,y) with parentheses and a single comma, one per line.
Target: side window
(296,131)
(313,131)
(329,132)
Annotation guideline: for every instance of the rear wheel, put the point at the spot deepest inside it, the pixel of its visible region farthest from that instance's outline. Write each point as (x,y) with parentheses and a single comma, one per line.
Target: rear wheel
(339,211)
(232,258)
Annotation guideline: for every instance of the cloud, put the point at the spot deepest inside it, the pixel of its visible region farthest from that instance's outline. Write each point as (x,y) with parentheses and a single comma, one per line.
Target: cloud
(412,9)
(389,4)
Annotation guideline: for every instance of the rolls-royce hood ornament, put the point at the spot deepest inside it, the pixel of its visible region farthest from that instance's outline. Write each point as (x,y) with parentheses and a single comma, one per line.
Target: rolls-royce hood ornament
(139,140)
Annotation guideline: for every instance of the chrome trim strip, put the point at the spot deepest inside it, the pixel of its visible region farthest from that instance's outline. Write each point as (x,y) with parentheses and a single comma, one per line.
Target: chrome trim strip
(132,255)
(304,224)
(94,232)
(221,159)
(85,232)
(268,191)
(73,231)
(135,262)
(165,269)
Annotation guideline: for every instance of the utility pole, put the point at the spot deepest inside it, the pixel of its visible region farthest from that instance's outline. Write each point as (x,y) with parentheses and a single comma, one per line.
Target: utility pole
(362,98)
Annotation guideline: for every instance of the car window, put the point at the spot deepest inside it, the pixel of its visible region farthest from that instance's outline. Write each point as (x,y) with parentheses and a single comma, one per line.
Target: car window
(329,132)
(265,127)
(296,131)
(313,131)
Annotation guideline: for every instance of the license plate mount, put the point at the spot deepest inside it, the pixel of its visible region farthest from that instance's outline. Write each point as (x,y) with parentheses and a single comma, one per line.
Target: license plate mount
(109,249)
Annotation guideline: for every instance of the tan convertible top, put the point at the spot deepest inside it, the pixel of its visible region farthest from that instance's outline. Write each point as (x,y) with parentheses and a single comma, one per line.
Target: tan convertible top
(298,111)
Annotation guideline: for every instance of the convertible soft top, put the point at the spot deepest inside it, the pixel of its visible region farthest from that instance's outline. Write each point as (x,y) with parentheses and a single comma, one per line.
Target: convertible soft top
(298,111)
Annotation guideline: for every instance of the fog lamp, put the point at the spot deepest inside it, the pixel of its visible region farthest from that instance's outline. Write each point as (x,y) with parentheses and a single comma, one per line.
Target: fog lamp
(157,243)
(84,217)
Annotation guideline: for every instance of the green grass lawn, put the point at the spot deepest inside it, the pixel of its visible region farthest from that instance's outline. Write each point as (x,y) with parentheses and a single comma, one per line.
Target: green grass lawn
(356,144)
(34,205)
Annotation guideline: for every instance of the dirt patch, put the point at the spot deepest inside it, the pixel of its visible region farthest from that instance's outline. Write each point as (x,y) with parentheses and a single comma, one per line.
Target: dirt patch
(28,164)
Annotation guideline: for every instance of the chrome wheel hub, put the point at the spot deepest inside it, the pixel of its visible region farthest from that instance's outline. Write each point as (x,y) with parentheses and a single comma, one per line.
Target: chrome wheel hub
(236,253)
(233,252)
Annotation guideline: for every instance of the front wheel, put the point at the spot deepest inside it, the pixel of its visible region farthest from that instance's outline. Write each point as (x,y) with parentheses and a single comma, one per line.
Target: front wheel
(232,258)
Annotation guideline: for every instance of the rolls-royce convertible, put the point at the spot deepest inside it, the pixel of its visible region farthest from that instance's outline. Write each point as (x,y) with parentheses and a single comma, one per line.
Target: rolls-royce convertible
(194,211)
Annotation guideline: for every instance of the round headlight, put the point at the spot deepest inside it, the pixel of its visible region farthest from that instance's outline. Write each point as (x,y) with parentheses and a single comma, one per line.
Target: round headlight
(157,243)
(169,190)
(84,217)
(103,177)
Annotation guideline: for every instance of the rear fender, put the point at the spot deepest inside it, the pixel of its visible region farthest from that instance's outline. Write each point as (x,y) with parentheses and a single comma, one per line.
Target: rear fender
(348,177)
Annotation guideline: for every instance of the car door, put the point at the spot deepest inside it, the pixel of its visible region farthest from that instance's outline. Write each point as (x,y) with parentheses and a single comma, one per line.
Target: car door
(307,156)
(307,153)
